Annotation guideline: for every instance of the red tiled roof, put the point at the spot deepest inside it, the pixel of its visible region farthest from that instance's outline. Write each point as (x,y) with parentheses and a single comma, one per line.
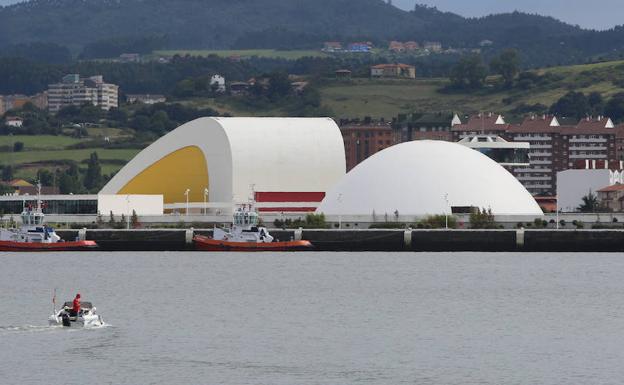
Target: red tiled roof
(535,124)
(615,187)
(482,122)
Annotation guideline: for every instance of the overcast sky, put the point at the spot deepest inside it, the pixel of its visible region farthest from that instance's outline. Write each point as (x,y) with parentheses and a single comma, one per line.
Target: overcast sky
(598,14)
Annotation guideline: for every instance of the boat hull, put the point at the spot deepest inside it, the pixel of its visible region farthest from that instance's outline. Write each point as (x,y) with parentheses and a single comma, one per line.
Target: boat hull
(204,243)
(56,246)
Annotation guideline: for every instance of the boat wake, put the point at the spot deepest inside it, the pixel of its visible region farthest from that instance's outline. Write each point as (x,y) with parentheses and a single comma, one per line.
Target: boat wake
(27,328)
(45,328)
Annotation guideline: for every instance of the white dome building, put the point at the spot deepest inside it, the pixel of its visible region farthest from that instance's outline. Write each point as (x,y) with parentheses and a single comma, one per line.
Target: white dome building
(427,178)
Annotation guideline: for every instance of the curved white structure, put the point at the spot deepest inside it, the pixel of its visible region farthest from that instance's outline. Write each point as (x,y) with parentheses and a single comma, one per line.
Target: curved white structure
(419,177)
(233,158)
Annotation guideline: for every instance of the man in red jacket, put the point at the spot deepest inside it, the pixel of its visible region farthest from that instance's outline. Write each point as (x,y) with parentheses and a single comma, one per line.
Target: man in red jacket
(76,305)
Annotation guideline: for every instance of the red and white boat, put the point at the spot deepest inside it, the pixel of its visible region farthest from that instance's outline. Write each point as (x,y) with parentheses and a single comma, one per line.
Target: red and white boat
(246,235)
(34,235)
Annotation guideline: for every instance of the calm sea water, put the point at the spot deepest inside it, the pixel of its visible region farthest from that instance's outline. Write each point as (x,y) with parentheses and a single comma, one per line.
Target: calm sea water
(316,318)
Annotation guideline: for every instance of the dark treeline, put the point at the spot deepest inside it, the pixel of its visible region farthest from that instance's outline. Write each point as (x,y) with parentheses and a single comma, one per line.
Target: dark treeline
(25,76)
(110,26)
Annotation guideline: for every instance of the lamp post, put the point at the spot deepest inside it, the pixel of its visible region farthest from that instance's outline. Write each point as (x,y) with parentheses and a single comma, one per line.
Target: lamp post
(128,211)
(339,199)
(205,200)
(446,211)
(557,212)
(186,194)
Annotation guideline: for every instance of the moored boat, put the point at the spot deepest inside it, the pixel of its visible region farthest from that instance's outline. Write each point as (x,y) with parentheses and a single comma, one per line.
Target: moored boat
(246,235)
(35,235)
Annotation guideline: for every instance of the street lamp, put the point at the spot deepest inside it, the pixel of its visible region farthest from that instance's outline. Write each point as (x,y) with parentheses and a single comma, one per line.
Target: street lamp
(186,194)
(446,211)
(557,212)
(205,200)
(339,199)
(128,211)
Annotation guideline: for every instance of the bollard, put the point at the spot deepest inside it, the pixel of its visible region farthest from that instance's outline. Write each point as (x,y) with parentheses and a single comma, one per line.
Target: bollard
(188,236)
(520,238)
(407,239)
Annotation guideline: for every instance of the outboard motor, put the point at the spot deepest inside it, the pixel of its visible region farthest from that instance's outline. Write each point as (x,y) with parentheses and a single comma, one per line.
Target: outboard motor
(66,321)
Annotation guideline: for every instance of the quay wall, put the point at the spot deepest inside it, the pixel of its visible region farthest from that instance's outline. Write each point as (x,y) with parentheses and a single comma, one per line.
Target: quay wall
(545,240)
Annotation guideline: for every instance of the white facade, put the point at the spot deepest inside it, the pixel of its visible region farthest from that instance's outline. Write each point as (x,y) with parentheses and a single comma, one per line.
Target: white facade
(250,155)
(14,122)
(427,178)
(218,82)
(74,90)
(573,185)
(125,204)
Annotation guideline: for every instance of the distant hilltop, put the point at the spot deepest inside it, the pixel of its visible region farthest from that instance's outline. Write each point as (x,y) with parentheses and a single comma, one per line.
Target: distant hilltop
(292,24)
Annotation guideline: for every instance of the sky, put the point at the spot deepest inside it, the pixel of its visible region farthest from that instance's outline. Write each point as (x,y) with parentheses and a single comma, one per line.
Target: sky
(597,14)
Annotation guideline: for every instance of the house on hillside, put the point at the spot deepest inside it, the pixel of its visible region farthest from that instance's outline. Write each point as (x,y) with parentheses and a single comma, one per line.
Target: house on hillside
(332,46)
(239,88)
(433,46)
(411,46)
(217,82)
(343,74)
(393,71)
(359,47)
(396,46)
(14,121)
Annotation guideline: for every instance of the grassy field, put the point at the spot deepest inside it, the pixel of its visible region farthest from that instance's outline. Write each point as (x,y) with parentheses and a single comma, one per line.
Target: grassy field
(39,142)
(387,98)
(267,53)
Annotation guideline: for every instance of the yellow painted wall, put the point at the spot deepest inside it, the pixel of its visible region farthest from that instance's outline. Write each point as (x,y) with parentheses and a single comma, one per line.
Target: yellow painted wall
(172,175)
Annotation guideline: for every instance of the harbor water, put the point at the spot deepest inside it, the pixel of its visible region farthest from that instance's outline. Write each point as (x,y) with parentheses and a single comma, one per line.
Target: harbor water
(316,318)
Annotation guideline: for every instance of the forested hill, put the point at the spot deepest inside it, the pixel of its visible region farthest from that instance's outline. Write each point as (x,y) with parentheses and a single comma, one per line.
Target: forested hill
(290,24)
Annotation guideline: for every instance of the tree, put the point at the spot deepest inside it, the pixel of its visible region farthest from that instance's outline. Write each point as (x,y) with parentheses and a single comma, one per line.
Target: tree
(93,177)
(615,107)
(69,180)
(573,104)
(279,86)
(7,173)
(482,219)
(134,219)
(596,104)
(18,146)
(45,177)
(507,64)
(469,73)
(590,203)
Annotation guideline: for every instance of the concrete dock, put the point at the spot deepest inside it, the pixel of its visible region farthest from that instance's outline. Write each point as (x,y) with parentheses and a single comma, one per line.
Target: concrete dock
(546,240)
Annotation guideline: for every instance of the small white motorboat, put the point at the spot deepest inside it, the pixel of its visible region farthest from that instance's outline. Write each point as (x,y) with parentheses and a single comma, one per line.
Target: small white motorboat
(85,318)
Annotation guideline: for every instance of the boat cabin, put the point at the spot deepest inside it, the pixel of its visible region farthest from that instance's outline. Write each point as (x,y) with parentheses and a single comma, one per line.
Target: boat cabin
(32,218)
(245,218)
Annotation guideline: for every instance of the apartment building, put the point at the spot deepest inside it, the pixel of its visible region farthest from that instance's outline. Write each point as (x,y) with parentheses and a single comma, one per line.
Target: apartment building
(74,90)
(553,147)
(364,138)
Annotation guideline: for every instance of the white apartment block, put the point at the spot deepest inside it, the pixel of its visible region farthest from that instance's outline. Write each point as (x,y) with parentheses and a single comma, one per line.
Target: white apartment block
(74,90)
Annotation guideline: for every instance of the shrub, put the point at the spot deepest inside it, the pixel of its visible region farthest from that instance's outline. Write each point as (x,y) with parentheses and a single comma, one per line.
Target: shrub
(439,222)
(482,219)
(18,146)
